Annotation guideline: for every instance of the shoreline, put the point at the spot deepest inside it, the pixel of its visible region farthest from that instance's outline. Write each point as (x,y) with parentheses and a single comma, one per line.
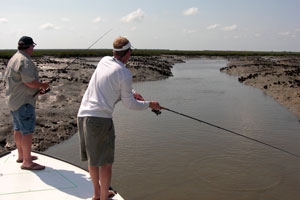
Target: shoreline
(277,77)
(56,111)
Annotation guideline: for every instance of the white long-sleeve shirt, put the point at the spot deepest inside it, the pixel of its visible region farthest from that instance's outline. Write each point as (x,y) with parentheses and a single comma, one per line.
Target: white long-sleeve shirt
(111,82)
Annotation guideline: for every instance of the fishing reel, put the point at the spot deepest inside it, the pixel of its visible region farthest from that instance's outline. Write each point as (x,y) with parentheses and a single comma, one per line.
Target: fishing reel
(157,112)
(45,91)
(41,92)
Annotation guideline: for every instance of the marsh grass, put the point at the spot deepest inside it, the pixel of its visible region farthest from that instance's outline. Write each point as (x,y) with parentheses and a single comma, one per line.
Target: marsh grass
(65,53)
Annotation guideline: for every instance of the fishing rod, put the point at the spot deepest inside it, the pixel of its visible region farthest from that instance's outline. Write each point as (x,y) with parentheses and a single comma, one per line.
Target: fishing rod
(68,65)
(158,112)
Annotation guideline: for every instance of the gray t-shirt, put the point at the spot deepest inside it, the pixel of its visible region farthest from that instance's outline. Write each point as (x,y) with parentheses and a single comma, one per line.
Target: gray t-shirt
(20,70)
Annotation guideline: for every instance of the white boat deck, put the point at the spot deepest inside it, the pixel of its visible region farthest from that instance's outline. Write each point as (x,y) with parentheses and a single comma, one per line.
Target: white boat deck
(60,180)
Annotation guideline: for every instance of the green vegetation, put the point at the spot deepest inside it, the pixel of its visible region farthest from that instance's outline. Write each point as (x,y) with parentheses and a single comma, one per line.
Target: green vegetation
(143,52)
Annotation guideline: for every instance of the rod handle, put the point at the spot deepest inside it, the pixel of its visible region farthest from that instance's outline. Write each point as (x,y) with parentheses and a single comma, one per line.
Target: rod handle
(41,91)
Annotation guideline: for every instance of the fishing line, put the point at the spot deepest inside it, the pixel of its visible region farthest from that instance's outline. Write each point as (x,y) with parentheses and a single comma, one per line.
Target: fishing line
(157,112)
(55,77)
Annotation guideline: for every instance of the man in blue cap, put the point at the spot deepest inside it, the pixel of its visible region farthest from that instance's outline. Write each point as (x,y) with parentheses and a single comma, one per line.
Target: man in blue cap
(22,82)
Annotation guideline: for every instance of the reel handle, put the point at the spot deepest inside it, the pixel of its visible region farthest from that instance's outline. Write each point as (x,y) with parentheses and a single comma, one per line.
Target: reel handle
(46,91)
(157,112)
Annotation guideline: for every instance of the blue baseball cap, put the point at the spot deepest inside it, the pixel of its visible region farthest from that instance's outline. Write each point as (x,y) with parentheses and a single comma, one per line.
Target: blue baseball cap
(26,41)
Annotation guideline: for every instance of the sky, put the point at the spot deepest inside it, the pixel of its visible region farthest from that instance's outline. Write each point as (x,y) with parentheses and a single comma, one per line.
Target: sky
(239,25)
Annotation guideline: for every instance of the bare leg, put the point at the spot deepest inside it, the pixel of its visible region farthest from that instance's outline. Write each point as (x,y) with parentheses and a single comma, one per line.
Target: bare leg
(94,173)
(26,148)
(18,141)
(105,178)
(101,177)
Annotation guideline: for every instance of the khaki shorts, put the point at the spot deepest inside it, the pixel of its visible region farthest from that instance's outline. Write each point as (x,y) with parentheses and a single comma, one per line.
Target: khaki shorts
(97,140)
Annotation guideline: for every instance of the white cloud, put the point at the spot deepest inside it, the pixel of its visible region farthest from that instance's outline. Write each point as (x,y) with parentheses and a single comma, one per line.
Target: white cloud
(189,31)
(96,20)
(65,19)
(49,26)
(287,33)
(257,35)
(3,20)
(214,26)
(230,28)
(135,16)
(190,11)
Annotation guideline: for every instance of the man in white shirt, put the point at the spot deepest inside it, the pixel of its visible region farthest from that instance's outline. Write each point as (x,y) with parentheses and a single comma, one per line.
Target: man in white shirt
(110,83)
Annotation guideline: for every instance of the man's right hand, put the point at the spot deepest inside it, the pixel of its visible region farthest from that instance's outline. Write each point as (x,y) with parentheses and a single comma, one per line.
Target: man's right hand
(154,105)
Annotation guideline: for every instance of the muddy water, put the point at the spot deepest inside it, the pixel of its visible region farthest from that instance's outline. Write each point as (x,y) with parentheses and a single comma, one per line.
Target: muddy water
(172,157)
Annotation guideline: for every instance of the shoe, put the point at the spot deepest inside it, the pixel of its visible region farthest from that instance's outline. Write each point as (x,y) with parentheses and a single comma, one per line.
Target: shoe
(32,158)
(111,194)
(33,166)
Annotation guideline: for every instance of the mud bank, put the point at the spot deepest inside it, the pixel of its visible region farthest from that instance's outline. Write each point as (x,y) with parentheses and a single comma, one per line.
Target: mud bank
(278,77)
(56,111)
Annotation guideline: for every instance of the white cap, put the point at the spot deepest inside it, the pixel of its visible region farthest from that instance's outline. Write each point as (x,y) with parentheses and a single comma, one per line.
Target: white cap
(125,47)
